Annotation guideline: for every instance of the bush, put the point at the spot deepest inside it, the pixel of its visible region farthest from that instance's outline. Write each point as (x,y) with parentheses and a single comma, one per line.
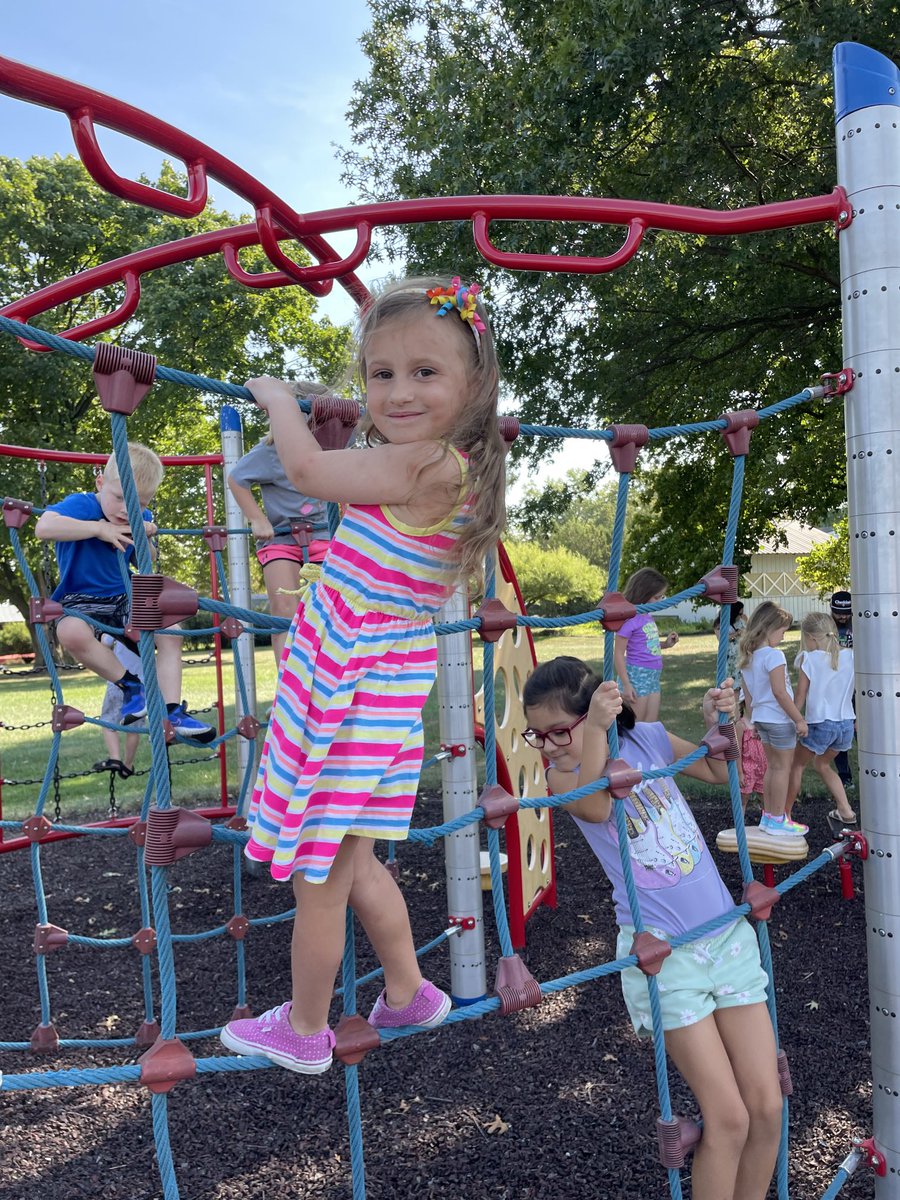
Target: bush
(554,582)
(15,638)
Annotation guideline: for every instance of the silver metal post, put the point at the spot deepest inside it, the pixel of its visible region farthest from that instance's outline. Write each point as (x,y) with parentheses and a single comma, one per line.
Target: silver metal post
(867,102)
(460,787)
(238,580)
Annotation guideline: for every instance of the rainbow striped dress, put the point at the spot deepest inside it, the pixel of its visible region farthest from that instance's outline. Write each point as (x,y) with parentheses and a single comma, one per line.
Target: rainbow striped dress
(344,746)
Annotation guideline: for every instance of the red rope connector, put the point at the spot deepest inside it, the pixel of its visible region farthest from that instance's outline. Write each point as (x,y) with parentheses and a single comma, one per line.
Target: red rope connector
(858,844)
(248,727)
(509,429)
(15,513)
(721,584)
(147,1034)
(332,419)
(36,828)
(739,426)
(45,1040)
(237,927)
(166,1063)
(216,537)
(237,823)
(784,1074)
(838,383)
(721,742)
(677,1137)
(516,986)
(122,377)
(651,952)
(65,717)
(48,938)
(138,833)
(158,602)
(623,778)
(144,941)
(761,899)
(301,531)
(626,442)
(495,620)
(241,1012)
(354,1037)
(172,833)
(498,804)
(616,610)
(231,628)
(873,1156)
(42,610)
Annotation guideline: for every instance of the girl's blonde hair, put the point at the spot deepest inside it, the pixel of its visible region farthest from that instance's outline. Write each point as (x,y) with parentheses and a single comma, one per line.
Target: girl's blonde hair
(762,624)
(644,585)
(300,387)
(821,629)
(476,431)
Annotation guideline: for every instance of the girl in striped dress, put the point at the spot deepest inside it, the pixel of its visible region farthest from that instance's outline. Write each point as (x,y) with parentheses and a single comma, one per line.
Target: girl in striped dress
(343,753)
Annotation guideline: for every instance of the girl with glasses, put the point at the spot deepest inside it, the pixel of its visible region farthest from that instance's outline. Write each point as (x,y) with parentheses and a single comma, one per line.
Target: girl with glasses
(712,991)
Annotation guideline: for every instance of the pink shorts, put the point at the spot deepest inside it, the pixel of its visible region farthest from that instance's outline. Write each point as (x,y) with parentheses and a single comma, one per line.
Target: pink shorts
(291,551)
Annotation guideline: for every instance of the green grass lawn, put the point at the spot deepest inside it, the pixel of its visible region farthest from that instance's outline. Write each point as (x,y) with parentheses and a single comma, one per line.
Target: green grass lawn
(689,669)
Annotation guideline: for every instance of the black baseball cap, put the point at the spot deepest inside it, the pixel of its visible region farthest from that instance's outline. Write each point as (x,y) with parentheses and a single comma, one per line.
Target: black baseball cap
(842,603)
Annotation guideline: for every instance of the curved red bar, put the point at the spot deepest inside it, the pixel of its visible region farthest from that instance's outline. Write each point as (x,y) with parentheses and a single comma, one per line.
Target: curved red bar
(556,262)
(113,320)
(268,238)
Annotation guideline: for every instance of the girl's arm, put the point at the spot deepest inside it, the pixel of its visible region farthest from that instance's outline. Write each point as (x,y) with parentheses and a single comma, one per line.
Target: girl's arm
(260,525)
(628,692)
(606,704)
(780,692)
(709,770)
(383,475)
(802,690)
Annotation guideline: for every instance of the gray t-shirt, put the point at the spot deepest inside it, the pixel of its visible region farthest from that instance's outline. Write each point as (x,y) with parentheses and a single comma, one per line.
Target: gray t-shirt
(281,501)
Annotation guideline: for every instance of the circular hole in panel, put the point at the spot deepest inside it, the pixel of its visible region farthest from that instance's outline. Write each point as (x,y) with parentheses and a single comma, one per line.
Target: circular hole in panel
(545,856)
(530,853)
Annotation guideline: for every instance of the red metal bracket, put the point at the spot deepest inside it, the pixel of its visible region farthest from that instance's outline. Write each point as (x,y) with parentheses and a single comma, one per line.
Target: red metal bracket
(516,986)
(48,938)
(623,778)
(873,1156)
(455,750)
(651,952)
(721,742)
(16,513)
(354,1037)
(248,727)
(858,844)
(463,923)
(721,584)
(65,717)
(301,531)
(42,610)
(216,537)
(144,940)
(738,427)
(616,610)
(761,899)
(238,927)
(36,828)
(138,833)
(123,377)
(231,628)
(495,620)
(166,1063)
(677,1137)
(626,442)
(158,602)
(172,833)
(838,383)
(498,805)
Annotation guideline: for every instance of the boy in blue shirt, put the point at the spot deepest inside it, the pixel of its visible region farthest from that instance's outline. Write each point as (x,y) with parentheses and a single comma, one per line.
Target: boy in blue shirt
(89,530)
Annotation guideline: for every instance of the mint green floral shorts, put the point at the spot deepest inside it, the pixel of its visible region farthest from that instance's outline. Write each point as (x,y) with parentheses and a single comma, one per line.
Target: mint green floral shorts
(722,971)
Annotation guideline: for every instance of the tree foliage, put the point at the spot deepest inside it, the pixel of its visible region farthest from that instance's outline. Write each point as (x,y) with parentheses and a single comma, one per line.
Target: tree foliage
(53,222)
(710,104)
(554,581)
(827,566)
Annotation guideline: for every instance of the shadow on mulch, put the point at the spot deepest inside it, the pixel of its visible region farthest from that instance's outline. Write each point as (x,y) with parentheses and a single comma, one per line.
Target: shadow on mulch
(557,1102)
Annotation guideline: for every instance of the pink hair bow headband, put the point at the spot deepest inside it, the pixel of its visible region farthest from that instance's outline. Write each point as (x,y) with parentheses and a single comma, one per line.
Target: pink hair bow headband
(461,298)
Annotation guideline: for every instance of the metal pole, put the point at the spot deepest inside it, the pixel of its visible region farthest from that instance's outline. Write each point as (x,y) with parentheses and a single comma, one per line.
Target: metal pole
(238,575)
(867,105)
(459,773)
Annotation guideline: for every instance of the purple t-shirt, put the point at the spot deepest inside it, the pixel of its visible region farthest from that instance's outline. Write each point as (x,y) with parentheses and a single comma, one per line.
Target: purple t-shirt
(643,648)
(678,883)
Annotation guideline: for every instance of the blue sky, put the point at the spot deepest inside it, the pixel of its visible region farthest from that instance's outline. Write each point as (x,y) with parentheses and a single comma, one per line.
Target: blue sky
(267,85)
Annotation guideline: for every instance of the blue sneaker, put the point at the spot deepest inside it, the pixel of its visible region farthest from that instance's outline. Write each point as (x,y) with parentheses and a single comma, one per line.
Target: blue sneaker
(134,702)
(182,722)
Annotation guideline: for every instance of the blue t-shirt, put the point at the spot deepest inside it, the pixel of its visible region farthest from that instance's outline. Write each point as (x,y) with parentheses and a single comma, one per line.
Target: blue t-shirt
(678,883)
(90,566)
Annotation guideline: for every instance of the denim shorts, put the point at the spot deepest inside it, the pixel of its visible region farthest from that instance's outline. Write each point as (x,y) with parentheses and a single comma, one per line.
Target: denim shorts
(828,735)
(782,735)
(722,971)
(644,680)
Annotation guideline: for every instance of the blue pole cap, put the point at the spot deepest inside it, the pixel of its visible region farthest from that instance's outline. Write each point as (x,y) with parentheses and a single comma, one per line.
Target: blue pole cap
(863,78)
(229,419)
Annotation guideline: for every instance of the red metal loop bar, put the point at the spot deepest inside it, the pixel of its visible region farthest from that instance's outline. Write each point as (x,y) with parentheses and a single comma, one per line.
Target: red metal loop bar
(113,320)
(251,279)
(585,265)
(318,274)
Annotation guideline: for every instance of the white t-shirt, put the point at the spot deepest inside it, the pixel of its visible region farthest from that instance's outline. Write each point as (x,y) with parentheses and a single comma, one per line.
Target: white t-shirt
(830,695)
(756,680)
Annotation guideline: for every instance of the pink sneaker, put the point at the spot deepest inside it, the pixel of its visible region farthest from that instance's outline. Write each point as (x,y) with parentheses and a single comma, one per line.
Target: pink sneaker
(427,1008)
(272,1035)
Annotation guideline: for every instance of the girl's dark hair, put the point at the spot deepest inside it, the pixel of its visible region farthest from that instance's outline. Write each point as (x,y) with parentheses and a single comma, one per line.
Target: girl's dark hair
(570,683)
(643,585)
(737,611)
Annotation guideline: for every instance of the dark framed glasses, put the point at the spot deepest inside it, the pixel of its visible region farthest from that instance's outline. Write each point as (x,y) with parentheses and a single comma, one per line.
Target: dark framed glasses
(556,737)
